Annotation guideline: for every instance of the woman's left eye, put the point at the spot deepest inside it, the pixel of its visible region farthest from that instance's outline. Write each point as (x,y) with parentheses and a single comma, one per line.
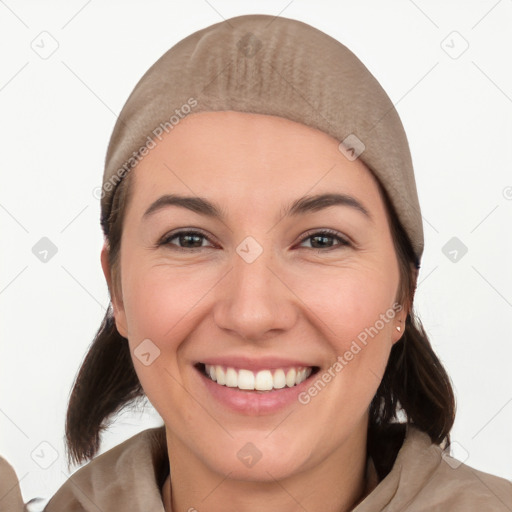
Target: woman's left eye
(320,239)
(193,240)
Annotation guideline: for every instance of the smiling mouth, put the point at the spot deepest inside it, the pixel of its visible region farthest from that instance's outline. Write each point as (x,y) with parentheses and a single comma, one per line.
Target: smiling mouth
(262,380)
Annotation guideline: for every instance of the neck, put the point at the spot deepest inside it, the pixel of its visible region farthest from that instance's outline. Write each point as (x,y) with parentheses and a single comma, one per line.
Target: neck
(338,483)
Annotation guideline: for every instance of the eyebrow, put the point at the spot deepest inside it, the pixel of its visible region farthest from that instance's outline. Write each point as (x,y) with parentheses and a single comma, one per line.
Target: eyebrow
(298,207)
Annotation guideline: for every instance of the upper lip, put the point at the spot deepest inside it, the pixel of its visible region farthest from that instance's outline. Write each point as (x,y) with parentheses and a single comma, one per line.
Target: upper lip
(255,364)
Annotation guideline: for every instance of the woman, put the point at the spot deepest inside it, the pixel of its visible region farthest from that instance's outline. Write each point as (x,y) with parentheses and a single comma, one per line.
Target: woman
(262,243)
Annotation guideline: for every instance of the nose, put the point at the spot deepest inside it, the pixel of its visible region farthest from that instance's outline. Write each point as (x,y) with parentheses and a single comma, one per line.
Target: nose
(254,301)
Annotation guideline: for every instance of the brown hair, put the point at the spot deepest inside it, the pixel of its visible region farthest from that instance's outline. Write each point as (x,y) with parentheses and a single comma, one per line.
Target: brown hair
(414,384)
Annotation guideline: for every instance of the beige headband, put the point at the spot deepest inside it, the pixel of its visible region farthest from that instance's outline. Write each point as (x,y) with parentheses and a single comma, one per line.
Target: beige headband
(269,65)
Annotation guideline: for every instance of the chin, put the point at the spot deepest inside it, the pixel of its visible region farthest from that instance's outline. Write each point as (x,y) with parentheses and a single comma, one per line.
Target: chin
(260,460)
(267,470)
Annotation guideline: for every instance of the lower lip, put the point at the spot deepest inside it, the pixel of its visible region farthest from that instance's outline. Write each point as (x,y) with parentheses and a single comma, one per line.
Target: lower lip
(254,403)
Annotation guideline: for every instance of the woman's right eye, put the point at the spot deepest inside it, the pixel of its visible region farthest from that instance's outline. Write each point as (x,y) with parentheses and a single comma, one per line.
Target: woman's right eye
(191,240)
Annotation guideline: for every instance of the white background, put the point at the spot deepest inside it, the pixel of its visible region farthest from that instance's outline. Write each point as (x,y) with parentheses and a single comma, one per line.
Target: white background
(57,115)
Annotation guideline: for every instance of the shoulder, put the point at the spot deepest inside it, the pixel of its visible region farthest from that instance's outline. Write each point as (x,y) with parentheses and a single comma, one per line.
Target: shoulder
(10,493)
(458,486)
(120,479)
(424,477)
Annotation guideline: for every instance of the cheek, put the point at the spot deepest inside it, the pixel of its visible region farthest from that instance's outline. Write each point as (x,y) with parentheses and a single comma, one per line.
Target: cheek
(162,304)
(160,301)
(354,311)
(350,302)
(345,307)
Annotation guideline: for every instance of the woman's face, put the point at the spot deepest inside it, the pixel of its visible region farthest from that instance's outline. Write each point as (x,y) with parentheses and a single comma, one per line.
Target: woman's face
(257,287)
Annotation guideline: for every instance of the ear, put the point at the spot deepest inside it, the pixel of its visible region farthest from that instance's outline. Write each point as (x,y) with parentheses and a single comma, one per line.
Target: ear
(398,325)
(117,302)
(401,316)
(401,313)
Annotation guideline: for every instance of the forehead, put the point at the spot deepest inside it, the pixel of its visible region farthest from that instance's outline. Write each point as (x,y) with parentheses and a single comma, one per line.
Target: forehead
(250,156)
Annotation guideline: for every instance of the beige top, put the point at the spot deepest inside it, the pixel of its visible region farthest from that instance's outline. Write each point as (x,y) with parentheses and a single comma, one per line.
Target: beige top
(127,478)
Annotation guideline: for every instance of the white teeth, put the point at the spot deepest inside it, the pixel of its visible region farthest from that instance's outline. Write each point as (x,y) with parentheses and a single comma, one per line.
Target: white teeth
(231,378)
(279,379)
(245,379)
(264,380)
(290,377)
(221,376)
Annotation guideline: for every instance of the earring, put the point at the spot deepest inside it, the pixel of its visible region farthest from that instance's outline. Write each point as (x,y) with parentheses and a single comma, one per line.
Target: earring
(398,328)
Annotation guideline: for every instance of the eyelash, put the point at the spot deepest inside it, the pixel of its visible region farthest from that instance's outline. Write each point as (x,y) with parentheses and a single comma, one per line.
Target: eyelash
(343,242)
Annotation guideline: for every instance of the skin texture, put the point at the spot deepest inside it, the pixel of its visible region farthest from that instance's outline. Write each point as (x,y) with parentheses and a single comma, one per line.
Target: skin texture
(293,301)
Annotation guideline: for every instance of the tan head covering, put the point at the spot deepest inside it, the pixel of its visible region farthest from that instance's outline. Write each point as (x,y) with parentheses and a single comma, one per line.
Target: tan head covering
(277,66)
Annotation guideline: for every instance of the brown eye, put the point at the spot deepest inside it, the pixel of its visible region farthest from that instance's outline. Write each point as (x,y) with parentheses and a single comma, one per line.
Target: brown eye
(186,240)
(322,240)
